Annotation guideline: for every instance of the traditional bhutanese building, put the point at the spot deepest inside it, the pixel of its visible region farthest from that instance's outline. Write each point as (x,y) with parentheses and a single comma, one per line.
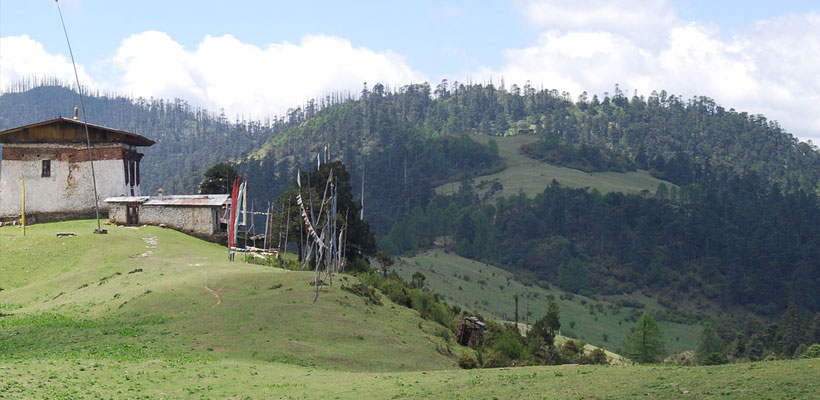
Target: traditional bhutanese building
(53,158)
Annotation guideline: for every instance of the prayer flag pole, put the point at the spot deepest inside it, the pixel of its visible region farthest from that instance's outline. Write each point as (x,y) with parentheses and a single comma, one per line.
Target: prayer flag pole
(23,206)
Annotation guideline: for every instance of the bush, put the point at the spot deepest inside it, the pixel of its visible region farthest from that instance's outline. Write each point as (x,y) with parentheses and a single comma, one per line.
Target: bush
(509,345)
(598,356)
(495,359)
(570,350)
(812,352)
(467,361)
(714,359)
(358,265)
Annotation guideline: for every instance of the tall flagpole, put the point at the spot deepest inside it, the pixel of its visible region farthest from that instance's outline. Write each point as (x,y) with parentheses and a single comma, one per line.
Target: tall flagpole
(85,123)
(23,206)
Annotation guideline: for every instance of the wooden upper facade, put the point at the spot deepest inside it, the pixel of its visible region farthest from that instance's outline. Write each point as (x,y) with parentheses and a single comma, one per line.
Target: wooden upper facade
(64,130)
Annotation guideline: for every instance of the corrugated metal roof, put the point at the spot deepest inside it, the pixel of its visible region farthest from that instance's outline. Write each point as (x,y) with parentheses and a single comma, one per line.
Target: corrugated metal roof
(192,200)
(128,137)
(197,200)
(127,199)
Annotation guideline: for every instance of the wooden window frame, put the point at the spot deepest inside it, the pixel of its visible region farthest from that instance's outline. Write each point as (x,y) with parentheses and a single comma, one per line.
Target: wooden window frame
(45,171)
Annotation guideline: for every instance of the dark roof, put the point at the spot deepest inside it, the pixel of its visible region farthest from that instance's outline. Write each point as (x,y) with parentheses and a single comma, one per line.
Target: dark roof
(134,139)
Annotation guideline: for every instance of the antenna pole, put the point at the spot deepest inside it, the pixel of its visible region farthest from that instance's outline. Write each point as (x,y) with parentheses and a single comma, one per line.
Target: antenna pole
(85,123)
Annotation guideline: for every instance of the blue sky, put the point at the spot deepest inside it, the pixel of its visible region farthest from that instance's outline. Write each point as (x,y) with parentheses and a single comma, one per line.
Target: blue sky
(258,58)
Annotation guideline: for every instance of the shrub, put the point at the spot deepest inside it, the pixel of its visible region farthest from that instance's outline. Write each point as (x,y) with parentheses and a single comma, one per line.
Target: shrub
(358,265)
(495,359)
(714,359)
(510,345)
(598,356)
(570,350)
(467,361)
(812,352)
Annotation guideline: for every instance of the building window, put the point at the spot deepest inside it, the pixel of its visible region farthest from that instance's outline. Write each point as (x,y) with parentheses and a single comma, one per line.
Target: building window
(46,169)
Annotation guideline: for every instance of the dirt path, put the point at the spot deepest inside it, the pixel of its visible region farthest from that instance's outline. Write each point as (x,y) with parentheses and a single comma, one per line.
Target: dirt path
(211,290)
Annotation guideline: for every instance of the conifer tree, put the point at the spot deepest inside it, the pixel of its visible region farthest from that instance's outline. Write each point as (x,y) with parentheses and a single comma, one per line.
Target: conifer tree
(645,343)
(710,349)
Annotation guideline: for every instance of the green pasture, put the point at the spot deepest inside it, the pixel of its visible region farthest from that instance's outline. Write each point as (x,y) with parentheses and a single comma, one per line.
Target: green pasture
(150,293)
(531,177)
(149,312)
(489,290)
(162,379)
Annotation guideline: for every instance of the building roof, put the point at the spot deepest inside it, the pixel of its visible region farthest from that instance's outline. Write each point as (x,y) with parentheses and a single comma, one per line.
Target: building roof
(66,131)
(127,199)
(196,200)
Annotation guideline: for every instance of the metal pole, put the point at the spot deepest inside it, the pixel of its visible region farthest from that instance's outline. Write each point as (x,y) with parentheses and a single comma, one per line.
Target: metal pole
(23,206)
(85,123)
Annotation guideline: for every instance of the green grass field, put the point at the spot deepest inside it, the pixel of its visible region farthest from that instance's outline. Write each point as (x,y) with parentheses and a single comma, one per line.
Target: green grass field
(489,290)
(161,379)
(531,177)
(152,293)
(152,313)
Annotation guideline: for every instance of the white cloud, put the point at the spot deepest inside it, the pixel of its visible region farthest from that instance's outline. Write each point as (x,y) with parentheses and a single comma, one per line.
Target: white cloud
(639,20)
(770,68)
(21,58)
(247,79)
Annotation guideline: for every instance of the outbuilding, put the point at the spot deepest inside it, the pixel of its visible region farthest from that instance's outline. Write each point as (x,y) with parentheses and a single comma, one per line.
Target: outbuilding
(199,215)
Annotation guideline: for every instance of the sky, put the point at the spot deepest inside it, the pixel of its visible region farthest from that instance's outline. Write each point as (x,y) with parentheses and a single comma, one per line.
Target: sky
(258,58)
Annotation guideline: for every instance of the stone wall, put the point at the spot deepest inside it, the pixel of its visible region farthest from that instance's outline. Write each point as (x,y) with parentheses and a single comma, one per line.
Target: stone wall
(201,221)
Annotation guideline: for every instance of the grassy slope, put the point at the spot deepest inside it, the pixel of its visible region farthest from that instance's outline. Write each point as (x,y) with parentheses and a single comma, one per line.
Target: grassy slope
(531,176)
(232,379)
(74,298)
(160,333)
(445,274)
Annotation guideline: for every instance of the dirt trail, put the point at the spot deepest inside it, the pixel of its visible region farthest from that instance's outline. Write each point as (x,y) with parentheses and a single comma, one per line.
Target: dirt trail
(211,290)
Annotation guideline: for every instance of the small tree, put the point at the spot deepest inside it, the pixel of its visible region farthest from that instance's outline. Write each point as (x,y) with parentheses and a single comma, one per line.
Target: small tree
(218,179)
(386,260)
(418,279)
(710,349)
(645,343)
(547,326)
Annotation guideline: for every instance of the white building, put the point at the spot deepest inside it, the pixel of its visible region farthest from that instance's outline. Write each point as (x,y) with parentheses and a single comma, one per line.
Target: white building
(200,215)
(53,158)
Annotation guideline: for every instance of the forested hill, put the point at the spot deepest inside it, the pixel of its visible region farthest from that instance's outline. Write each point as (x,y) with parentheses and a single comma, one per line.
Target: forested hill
(695,135)
(680,140)
(189,139)
(738,225)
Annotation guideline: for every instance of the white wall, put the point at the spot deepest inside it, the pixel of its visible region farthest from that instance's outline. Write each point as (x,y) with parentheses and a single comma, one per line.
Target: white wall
(201,220)
(68,189)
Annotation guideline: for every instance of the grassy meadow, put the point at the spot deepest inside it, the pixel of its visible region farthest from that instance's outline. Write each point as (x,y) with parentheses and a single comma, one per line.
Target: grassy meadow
(162,379)
(151,293)
(152,313)
(529,176)
(489,290)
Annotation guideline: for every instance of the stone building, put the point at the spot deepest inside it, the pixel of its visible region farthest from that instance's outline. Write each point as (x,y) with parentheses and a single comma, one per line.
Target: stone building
(198,215)
(53,158)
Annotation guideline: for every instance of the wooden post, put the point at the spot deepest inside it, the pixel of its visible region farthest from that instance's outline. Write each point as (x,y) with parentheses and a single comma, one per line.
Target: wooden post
(516,311)
(23,206)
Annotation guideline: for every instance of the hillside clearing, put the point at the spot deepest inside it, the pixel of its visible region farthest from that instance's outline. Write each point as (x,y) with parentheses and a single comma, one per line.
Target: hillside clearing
(529,176)
(489,290)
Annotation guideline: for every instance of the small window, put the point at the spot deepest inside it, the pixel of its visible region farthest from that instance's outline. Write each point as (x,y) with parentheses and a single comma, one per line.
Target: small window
(46,168)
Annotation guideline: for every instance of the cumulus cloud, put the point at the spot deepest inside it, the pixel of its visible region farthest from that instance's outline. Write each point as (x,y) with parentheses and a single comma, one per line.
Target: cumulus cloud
(247,79)
(769,68)
(639,20)
(22,58)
